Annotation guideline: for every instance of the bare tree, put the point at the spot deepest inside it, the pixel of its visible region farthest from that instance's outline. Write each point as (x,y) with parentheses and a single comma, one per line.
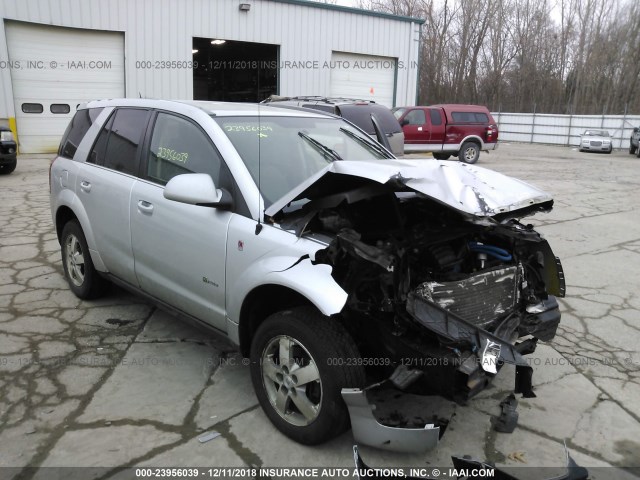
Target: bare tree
(553,56)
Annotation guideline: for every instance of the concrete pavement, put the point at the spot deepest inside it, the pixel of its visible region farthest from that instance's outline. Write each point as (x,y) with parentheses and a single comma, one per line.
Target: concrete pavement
(115,382)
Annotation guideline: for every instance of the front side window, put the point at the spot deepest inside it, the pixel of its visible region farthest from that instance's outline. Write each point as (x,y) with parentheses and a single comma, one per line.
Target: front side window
(179,146)
(416,117)
(117,145)
(282,152)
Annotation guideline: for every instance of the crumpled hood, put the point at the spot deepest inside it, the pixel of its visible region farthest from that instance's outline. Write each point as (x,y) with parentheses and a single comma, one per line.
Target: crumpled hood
(470,189)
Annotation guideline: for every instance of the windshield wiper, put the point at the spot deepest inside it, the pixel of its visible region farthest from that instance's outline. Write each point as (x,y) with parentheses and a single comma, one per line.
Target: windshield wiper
(381,150)
(323,149)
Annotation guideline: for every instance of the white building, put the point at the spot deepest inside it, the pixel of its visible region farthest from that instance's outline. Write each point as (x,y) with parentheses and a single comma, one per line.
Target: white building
(55,54)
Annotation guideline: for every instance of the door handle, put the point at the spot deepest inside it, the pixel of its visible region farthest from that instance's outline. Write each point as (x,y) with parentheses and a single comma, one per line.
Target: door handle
(85,186)
(144,206)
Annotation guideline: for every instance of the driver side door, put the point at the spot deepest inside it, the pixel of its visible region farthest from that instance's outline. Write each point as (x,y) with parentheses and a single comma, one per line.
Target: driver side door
(180,249)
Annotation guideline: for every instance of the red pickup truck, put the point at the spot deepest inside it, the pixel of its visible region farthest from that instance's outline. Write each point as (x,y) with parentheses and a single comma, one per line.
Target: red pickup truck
(446,130)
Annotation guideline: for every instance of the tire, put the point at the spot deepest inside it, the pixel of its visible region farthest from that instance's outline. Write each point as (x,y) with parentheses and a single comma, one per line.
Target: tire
(638,151)
(313,340)
(469,153)
(82,277)
(8,168)
(441,156)
(610,150)
(632,149)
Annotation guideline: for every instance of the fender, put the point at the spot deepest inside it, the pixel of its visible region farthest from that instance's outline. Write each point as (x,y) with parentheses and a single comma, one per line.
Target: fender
(474,138)
(68,198)
(314,282)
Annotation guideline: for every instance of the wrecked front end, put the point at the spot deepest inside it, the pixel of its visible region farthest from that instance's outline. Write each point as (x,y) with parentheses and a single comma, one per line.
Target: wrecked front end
(438,298)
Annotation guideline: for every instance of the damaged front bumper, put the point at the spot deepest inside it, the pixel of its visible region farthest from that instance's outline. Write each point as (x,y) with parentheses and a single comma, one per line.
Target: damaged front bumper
(488,351)
(485,353)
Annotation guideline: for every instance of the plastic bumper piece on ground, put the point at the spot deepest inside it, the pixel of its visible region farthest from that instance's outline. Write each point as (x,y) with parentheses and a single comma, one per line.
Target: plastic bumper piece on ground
(368,431)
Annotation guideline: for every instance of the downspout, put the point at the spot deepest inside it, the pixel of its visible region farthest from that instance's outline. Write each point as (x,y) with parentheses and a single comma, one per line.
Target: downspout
(418,67)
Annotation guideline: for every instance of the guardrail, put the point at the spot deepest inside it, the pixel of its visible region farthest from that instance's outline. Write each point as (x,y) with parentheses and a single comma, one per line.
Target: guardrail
(563,129)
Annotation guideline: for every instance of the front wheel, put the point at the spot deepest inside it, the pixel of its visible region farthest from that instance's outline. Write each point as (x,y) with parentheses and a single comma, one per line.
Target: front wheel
(610,150)
(300,362)
(638,151)
(469,153)
(441,156)
(84,281)
(632,149)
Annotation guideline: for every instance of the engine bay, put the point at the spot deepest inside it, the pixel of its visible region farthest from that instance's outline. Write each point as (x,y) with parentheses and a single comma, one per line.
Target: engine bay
(392,250)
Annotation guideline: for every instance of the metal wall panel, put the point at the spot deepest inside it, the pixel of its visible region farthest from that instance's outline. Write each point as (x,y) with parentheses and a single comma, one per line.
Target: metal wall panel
(563,129)
(158,30)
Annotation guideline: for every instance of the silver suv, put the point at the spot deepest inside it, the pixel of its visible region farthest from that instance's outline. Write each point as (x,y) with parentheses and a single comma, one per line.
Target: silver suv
(330,264)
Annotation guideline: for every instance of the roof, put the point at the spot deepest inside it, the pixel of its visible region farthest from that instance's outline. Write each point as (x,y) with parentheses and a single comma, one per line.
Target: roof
(210,108)
(357,11)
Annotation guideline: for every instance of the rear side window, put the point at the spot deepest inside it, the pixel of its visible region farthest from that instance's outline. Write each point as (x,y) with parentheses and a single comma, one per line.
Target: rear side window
(416,117)
(470,117)
(117,145)
(436,116)
(361,116)
(78,127)
(179,146)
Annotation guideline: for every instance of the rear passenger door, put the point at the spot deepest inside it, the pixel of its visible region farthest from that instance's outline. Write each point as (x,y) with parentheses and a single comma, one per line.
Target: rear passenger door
(104,184)
(180,249)
(437,126)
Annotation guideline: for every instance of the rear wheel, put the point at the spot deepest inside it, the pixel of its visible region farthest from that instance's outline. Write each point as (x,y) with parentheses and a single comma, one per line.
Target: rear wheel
(638,151)
(84,281)
(469,153)
(441,156)
(300,362)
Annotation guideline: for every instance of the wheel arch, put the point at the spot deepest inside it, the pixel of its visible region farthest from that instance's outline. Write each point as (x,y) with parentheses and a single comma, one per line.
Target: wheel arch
(261,302)
(64,213)
(472,139)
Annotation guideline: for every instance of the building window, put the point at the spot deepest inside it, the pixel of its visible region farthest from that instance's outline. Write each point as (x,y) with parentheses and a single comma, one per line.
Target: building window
(32,108)
(59,108)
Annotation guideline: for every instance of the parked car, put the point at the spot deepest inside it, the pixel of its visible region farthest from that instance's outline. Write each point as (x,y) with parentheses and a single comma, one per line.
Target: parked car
(634,142)
(8,151)
(596,141)
(448,130)
(328,262)
(356,111)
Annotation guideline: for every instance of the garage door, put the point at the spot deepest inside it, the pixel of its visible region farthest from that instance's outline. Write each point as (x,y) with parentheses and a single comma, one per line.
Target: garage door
(363,76)
(53,70)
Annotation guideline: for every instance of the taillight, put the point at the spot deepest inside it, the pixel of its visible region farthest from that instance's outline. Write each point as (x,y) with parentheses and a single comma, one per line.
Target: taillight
(490,132)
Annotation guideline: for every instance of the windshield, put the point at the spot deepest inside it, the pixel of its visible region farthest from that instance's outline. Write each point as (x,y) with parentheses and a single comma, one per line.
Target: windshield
(285,151)
(596,133)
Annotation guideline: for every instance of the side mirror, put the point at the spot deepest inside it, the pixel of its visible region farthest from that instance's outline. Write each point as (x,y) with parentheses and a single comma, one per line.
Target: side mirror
(404,122)
(197,189)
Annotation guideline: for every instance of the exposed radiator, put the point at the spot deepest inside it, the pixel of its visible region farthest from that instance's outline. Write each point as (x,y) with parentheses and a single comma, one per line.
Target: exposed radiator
(479,299)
